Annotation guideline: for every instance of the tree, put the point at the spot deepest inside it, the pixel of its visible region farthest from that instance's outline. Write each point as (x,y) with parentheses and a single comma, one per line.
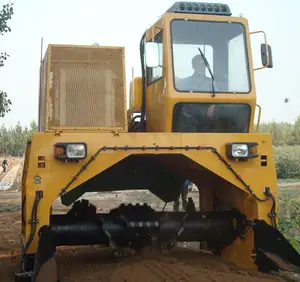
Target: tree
(18,139)
(5,15)
(296,131)
(33,126)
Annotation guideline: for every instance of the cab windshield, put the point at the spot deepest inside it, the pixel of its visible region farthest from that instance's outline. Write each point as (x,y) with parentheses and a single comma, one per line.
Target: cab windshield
(223,45)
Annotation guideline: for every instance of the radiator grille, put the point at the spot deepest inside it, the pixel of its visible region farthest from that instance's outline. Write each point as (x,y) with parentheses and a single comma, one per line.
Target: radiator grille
(86,87)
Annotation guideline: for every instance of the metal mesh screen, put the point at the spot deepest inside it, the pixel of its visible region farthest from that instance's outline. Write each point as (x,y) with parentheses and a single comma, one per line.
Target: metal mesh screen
(86,87)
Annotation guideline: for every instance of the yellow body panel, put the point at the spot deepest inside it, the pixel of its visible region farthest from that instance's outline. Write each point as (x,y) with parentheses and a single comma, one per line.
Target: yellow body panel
(57,174)
(135,95)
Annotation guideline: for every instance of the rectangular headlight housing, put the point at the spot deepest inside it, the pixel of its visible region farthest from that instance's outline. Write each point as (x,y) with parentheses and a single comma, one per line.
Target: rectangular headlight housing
(241,150)
(70,150)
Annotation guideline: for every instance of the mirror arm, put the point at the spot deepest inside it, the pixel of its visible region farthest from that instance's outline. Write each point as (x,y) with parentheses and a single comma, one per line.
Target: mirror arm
(268,58)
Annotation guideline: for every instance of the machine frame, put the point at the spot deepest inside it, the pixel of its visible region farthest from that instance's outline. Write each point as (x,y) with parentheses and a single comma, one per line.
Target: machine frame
(246,184)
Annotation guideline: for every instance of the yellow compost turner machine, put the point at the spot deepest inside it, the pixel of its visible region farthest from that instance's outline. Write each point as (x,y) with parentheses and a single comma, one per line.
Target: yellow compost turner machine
(191,117)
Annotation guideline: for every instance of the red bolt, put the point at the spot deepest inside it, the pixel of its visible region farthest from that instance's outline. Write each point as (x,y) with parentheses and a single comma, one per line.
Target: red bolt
(116,148)
(144,148)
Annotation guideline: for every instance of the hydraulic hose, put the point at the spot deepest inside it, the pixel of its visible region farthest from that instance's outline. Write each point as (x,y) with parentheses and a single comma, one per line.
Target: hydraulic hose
(143,106)
(33,221)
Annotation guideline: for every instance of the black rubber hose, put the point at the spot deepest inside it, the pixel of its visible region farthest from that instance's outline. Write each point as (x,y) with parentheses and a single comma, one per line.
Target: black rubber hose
(273,210)
(143,106)
(133,120)
(132,125)
(23,205)
(37,199)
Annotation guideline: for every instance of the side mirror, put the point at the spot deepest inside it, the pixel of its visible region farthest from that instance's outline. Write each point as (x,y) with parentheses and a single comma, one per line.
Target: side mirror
(265,55)
(152,55)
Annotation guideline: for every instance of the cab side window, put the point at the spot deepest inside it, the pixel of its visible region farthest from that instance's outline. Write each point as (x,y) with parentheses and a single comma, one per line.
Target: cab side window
(154,74)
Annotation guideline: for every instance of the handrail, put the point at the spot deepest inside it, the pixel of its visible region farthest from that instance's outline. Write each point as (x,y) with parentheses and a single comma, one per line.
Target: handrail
(259,115)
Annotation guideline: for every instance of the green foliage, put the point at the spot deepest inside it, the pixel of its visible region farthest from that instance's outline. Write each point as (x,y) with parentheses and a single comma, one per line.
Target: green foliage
(289,219)
(286,142)
(5,15)
(4,103)
(14,139)
(283,133)
(287,159)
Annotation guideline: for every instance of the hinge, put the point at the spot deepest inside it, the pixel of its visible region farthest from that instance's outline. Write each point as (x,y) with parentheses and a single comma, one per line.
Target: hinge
(116,132)
(57,132)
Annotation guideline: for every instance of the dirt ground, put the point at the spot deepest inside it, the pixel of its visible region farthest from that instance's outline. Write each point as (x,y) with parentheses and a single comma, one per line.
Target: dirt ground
(12,178)
(93,263)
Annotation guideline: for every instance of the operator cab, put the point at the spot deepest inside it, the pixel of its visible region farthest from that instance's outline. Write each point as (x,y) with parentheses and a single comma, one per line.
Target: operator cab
(197,72)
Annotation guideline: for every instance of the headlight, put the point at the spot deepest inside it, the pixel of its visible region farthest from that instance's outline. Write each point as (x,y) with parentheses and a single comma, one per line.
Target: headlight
(241,150)
(74,151)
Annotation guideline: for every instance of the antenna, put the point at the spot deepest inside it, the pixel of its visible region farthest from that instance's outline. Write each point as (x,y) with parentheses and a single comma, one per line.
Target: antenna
(42,39)
(40,90)
(132,94)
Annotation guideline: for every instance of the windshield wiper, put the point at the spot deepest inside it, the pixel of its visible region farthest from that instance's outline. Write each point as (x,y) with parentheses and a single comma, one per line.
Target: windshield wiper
(209,69)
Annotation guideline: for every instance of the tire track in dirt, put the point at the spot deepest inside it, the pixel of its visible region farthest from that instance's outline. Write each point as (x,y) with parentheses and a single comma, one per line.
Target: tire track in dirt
(289,184)
(166,272)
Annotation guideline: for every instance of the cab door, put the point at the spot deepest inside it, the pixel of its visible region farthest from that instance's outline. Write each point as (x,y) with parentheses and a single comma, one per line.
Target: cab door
(155,90)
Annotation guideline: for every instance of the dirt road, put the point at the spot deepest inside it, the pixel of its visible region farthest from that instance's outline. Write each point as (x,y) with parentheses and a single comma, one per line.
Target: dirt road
(11,178)
(184,265)
(93,263)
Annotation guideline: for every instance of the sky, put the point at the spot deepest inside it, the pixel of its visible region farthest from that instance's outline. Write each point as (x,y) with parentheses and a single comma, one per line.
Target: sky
(122,23)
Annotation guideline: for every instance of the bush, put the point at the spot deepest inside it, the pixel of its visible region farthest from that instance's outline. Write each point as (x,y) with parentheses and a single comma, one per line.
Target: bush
(289,219)
(287,160)
(283,133)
